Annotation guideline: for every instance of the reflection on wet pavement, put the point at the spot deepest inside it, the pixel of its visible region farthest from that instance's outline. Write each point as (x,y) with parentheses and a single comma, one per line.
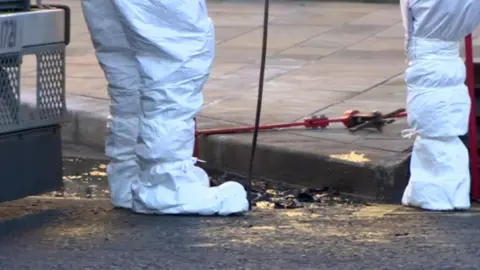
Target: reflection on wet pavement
(83,178)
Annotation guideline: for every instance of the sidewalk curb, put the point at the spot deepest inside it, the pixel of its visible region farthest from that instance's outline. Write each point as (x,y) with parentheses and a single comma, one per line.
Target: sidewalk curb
(383,181)
(86,121)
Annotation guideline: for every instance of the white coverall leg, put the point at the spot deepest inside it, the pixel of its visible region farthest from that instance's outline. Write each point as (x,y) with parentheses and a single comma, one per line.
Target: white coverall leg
(438,104)
(172,44)
(120,67)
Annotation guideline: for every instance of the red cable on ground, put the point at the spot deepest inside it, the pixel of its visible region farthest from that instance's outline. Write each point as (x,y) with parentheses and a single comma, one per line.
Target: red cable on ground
(307,123)
(472,132)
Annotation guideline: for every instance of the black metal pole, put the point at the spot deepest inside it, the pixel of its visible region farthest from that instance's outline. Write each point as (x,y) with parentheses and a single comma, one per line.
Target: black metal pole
(259,102)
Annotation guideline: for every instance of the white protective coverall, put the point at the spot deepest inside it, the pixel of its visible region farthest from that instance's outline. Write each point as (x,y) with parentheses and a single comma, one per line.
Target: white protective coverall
(156,56)
(438,104)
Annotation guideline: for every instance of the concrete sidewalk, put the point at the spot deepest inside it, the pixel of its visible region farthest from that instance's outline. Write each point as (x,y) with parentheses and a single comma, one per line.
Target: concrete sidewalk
(324,58)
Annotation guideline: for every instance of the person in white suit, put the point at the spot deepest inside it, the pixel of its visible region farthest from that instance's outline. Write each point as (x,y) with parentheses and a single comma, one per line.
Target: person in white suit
(438,103)
(156,56)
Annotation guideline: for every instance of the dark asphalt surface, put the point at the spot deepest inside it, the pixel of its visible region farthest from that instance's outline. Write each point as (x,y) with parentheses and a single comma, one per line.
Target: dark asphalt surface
(61,233)
(70,231)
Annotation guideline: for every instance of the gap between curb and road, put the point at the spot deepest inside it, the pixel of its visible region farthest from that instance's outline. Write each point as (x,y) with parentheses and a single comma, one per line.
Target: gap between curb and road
(382,180)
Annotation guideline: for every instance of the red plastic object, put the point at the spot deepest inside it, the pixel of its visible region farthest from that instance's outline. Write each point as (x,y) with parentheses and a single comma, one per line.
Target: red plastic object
(314,122)
(472,130)
(308,123)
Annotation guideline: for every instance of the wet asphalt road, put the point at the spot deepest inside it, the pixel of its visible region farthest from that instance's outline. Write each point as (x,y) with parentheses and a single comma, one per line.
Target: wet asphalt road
(62,233)
(71,232)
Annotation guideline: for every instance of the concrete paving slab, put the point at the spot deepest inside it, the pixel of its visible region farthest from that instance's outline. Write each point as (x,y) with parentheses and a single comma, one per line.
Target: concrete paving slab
(277,107)
(220,69)
(384,93)
(390,44)
(280,37)
(247,76)
(318,18)
(394,31)
(225,33)
(335,40)
(306,52)
(385,17)
(339,75)
(323,58)
(336,7)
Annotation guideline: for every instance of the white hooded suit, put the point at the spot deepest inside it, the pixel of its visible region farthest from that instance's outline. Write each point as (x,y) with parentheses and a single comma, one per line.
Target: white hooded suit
(438,104)
(157,55)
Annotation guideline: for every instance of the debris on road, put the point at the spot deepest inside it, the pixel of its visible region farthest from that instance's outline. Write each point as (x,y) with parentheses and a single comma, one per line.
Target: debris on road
(274,195)
(87,178)
(83,178)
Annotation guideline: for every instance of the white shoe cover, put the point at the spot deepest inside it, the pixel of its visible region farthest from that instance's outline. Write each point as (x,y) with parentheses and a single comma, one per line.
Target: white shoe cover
(440,176)
(191,195)
(233,198)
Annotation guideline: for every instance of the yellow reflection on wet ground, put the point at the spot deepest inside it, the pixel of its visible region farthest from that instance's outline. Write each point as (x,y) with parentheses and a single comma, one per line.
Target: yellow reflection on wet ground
(352,157)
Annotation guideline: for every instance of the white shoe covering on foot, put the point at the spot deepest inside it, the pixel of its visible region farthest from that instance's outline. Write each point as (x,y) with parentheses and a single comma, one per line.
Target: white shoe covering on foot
(190,194)
(440,176)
